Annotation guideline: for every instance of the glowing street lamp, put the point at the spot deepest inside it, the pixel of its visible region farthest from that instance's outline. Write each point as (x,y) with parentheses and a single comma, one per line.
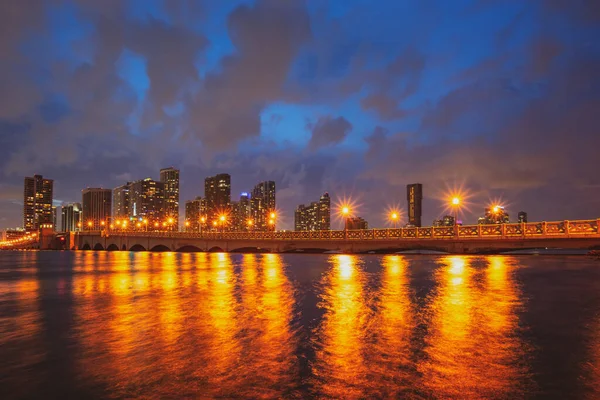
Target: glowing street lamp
(345,211)
(394,217)
(455,206)
(249,223)
(89,224)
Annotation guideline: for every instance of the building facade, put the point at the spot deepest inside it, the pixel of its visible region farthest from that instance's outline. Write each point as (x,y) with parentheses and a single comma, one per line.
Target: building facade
(195,214)
(37,202)
(121,201)
(170,177)
(494,215)
(414,198)
(314,217)
(262,205)
(147,202)
(241,214)
(96,206)
(217,194)
(356,223)
(71,217)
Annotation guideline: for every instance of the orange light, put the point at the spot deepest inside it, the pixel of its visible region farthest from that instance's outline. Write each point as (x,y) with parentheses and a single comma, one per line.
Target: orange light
(272,215)
(250,222)
(156,224)
(345,210)
(455,201)
(111,226)
(118,222)
(102,223)
(214,223)
(145,221)
(222,218)
(495,209)
(170,220)
(203,219)
(89,223)
(187,223)
(394,216)
(138,225)
(271,222)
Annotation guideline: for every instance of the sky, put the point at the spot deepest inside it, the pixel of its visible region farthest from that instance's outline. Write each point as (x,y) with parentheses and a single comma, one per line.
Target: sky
(358,98)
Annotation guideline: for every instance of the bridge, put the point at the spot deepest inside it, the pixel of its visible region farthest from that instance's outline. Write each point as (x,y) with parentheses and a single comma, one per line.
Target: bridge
(453,239)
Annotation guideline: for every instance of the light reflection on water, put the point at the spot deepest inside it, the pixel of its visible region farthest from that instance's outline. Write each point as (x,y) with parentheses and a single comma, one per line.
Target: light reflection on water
(159,325)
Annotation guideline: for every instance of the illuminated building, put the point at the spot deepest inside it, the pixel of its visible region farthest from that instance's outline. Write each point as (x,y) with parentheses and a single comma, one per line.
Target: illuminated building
(494,215)
(147,201)
(37,202)
(262,203)
(54,218)
(316,216)
(71,217)
(355,223)
(522,217)
(217,194)
(414,197)
(170,177)
(324,212)
(121,200)
(96,207)
(194,210)
(241,213)
(447,220)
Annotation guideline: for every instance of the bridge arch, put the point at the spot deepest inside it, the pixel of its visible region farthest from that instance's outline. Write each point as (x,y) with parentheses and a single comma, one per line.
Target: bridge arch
(98,246)
(189,249)
(112,247)
(86,246)
(216,249)
(160,248)
(137,247)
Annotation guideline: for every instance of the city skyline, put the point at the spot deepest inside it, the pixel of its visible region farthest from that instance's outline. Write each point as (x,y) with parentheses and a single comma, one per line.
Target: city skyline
(339,97)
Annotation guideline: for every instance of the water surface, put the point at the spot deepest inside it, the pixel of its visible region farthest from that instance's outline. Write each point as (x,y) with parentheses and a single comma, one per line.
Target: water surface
(157,325)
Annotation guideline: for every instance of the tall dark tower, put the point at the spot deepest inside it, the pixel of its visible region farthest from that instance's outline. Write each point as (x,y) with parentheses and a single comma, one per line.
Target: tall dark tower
(170,177)
(217,193)
(37,202)
(414,197)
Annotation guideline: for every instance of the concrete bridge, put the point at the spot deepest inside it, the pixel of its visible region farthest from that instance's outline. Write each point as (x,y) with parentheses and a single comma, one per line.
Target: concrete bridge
(457,239)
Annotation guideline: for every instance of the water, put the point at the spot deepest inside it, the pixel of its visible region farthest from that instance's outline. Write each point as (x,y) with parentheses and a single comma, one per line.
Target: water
(166,325)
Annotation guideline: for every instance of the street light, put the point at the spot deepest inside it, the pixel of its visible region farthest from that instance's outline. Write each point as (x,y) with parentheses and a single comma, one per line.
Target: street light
(90,225)
(249,223)
(345,213)
(202,221)
(455,205)
(394,217)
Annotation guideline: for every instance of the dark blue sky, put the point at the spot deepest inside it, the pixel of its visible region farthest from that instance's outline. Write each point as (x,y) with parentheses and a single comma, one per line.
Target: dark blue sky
(357,98)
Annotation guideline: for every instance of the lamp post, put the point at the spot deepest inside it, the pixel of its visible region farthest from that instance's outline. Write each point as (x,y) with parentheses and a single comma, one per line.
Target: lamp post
(89,224)
(394,217)
(272,217)
(345,213)
(222,220)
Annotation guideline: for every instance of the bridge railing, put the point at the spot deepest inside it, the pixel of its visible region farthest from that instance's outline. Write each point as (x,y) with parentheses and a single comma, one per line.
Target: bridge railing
(508,231)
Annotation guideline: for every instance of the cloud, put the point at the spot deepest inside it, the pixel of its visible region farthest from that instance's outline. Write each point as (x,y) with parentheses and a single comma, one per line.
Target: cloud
(328,131)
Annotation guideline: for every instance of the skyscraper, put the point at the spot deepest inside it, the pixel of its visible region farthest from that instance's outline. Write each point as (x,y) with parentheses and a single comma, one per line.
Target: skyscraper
(96,208)
(37,202)
(262,204)
(170,177)
(71,217)
(314,217)
(355,223)
(241,213)
(325,212)
(414,197)
(195,210)
(217,194)
(147,201)
(121,200)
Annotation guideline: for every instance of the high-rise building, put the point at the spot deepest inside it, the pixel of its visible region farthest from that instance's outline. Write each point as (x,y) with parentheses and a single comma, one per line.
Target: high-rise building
(195,211)
(315,216)
(355,223)
(170,177)
(54,218)
(96,208)
(324,212)
(37,202)
(447,220)
(494,215)
(121,200)
(147,202)
(71,217)
(217,194)
(522,217)
(414,197)
(241,213)
(262,205)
